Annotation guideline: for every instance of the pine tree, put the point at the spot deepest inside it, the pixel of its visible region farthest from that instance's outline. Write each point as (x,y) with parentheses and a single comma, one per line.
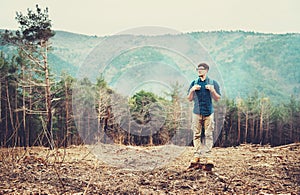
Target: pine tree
(33,41)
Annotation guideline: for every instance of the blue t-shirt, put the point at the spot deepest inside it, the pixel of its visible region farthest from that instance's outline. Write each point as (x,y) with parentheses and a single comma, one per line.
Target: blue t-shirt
(202,98)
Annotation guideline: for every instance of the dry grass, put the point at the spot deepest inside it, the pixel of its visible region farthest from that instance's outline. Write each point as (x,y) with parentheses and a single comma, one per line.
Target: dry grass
(247,169)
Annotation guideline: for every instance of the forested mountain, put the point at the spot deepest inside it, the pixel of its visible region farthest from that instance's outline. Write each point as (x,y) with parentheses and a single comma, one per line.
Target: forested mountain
(247,61)
(258,73)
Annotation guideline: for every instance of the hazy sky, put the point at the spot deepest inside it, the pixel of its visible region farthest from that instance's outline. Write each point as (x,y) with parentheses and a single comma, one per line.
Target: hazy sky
(107,17)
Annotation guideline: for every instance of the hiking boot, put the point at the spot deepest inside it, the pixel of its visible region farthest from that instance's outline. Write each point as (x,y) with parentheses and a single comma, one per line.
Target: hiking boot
(195,160)
(209,162)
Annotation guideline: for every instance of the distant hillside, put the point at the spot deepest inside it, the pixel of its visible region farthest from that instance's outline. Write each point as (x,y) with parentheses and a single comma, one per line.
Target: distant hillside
(267,62)
(247,61)
(70,50)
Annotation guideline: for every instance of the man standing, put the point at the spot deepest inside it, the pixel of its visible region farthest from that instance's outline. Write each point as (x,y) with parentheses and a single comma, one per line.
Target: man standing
(202,91)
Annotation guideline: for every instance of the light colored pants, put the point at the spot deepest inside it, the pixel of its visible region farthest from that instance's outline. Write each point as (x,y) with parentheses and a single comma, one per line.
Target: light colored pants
(203,145)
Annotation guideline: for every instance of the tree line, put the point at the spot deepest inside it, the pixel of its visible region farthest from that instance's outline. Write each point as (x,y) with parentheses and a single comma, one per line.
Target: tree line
(36,109)
(256,119)
(23,120)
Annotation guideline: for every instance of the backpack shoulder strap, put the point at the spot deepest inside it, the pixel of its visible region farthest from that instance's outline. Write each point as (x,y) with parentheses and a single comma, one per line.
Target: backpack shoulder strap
(210,81)
(195,81)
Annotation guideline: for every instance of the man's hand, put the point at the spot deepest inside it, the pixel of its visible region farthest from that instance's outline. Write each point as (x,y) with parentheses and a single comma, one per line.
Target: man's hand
(213,92)
(211,88)
(196,87)
(192,90)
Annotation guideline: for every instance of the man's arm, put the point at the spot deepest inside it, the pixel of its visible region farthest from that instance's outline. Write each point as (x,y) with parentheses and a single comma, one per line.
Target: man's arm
(214,91)
(190,96)
(215,95)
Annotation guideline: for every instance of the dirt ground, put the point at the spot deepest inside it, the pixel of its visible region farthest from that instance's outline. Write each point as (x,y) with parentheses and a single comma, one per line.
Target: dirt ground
(246,169)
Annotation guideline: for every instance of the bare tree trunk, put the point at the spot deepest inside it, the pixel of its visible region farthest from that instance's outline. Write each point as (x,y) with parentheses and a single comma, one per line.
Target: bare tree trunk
(17,125)
(151,138)
(129,132)
(239,127)
(99,126)
(261,122)
(253,129)
(267,130)
(291,127)
(246,126)
(66,138)
(14,133)
(26,144)
(30,116)
(48,94)
(6,117)
(257,130)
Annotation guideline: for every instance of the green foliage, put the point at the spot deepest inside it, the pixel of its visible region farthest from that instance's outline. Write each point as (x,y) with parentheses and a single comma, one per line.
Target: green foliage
(35,26)
(140,103)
